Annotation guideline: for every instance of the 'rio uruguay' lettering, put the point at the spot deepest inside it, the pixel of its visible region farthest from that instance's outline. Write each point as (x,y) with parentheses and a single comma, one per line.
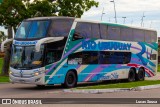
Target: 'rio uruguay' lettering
(91,45)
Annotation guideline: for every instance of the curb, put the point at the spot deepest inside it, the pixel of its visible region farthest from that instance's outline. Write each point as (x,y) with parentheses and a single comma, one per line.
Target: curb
(99,91)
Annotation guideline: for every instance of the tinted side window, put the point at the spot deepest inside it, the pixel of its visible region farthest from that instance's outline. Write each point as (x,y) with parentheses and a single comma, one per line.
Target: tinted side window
(103,31)
(53,56)
(147,36)
(86,57)
(95,31)
(138,35)
(54,51)
(153,36)
(60,27)
(90,57)
(75,58)
(113,33)
(83,30)
(153,57)
(126,34)
(109,57)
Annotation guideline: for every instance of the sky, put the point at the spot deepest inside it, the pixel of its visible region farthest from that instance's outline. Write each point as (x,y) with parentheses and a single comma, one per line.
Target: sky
(131,9)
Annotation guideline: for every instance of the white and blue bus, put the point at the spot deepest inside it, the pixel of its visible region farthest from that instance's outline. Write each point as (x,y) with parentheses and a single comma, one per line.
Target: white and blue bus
(63,50)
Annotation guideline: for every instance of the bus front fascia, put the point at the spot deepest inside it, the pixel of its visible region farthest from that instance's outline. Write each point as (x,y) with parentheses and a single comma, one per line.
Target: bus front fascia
(46,40)
(5,42)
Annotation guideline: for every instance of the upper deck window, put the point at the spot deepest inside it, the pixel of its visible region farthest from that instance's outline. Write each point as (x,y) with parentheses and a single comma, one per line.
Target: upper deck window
(60,27)
(32,29)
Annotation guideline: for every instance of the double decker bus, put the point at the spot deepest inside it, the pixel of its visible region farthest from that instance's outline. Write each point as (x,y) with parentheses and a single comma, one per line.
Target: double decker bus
(63,50)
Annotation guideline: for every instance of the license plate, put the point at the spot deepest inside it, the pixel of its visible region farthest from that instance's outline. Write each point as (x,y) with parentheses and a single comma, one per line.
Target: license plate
(21,80)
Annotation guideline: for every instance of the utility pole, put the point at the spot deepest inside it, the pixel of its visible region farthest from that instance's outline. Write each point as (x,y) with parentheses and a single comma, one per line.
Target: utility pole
(124,20)
(142,20)
(102,13)
(114,10)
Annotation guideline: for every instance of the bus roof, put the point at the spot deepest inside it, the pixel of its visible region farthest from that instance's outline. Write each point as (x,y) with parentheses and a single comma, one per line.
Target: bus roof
(113,24)
(89,21)
(47,18)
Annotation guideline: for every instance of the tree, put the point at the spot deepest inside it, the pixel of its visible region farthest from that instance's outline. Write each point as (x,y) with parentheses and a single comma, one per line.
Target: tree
(2,36)
(74,8)
(12,12)
(41,8)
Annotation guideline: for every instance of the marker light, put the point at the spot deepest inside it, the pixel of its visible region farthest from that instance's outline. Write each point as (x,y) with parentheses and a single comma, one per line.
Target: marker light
(36,73)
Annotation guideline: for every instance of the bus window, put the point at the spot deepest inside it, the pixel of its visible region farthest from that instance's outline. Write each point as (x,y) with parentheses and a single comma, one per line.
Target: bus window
(82,30)
(60,27)
(103,57)
(54,51)
(106,57)
(126,34)
(90,57)
(103,31)
(153,36)
(113,33)
(23,30)
(75,58)
(95,31)
(138,35)
(153,57)
(148,36)
(38,29)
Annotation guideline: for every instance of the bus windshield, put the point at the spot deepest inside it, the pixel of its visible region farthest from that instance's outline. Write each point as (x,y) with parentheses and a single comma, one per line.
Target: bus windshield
(26,57)
(32,29)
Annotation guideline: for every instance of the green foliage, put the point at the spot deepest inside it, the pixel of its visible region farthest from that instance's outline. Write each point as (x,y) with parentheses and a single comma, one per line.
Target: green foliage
(74,8)
(2,36)
(12,12)
(158,70)
(1,63)
(4,79)
(41,8)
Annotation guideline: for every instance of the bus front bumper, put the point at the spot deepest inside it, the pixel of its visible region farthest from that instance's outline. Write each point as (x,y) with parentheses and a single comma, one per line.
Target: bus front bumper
(38,80)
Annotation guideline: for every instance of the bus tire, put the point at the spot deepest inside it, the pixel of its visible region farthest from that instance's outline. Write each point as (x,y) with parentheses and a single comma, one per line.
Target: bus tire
(140,75)
(131,75)
(70,80)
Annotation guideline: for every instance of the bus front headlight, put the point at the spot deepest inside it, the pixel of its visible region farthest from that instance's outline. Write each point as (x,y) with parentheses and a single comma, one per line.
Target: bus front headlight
(10,72)
(36,73)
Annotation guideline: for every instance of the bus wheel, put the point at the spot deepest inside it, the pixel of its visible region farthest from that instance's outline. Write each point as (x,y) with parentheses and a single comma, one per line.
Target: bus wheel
(131,75)
(140,75)
(70,80)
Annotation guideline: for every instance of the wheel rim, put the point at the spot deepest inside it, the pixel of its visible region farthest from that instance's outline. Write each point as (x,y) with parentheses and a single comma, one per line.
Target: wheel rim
(141,75)
(70,79)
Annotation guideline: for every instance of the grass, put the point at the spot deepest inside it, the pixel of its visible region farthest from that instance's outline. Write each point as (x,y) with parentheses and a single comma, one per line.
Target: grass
(1,63)
(3,78)
(158,70)
(122,85)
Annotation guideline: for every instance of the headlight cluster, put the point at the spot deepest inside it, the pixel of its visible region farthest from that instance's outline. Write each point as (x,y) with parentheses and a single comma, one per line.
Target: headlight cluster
(37,73)
(10,72)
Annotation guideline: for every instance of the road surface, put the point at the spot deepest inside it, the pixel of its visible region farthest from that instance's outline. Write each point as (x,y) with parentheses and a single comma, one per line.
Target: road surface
(9,90)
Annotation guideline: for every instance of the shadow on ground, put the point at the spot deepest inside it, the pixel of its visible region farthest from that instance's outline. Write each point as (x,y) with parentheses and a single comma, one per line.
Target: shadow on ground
(56,87)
